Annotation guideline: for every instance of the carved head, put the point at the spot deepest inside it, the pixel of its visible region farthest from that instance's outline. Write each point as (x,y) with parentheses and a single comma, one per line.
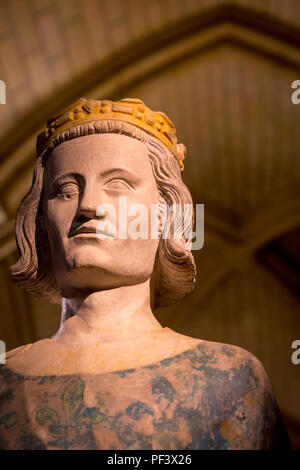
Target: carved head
(89,156)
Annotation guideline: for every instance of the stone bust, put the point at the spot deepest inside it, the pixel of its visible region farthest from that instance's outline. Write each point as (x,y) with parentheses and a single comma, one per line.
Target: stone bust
(112,377)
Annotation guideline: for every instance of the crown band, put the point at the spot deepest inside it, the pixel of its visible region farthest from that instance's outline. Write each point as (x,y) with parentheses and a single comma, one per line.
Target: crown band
(130,110)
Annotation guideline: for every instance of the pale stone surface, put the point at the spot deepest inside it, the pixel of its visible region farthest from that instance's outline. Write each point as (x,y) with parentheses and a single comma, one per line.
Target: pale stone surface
(117,376)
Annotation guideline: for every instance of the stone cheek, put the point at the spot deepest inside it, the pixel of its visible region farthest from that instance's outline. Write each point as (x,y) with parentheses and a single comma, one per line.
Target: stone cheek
(185,402)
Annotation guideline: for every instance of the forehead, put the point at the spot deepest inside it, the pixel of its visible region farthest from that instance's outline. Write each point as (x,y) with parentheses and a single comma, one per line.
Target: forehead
(100,152)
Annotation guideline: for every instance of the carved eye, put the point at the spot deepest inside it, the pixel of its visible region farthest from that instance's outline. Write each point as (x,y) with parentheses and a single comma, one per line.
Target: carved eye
(117,184)
(68,191)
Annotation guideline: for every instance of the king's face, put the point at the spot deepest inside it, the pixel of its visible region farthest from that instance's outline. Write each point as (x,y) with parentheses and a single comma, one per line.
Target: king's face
(84,177)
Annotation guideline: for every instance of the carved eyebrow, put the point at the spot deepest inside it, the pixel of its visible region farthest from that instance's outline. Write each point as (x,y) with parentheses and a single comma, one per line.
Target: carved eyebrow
(112,171)
(76,176)
(120,171)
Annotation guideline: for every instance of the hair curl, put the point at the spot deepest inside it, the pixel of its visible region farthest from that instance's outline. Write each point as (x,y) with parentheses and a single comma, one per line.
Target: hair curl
(175,266)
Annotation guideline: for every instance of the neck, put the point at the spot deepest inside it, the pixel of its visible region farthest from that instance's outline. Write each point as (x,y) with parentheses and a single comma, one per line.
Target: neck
(109,315)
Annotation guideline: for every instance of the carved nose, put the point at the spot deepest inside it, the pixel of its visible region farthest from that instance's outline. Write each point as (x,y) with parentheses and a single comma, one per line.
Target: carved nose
(89,202)
(87,212)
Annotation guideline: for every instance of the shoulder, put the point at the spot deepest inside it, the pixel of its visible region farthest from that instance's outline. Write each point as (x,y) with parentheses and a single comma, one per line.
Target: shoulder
(15,356)
(8,377)
(17,352)
(224,359)
(19,360)
(228,369)
(237,395)
(222,363)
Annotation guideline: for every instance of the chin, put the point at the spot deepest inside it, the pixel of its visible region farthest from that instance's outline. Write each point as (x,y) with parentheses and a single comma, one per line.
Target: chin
(90,260)
(90,277)
(92,268)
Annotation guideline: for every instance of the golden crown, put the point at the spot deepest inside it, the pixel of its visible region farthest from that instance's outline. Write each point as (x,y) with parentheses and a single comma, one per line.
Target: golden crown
(131,110)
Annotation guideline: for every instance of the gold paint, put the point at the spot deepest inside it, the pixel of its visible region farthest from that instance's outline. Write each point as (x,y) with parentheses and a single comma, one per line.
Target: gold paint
(130,110)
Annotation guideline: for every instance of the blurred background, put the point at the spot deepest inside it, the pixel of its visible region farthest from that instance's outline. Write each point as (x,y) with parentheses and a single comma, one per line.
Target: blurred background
(222,70)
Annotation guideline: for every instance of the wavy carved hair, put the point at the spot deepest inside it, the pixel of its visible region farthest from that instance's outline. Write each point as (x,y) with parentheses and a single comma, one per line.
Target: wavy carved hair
(175,267)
